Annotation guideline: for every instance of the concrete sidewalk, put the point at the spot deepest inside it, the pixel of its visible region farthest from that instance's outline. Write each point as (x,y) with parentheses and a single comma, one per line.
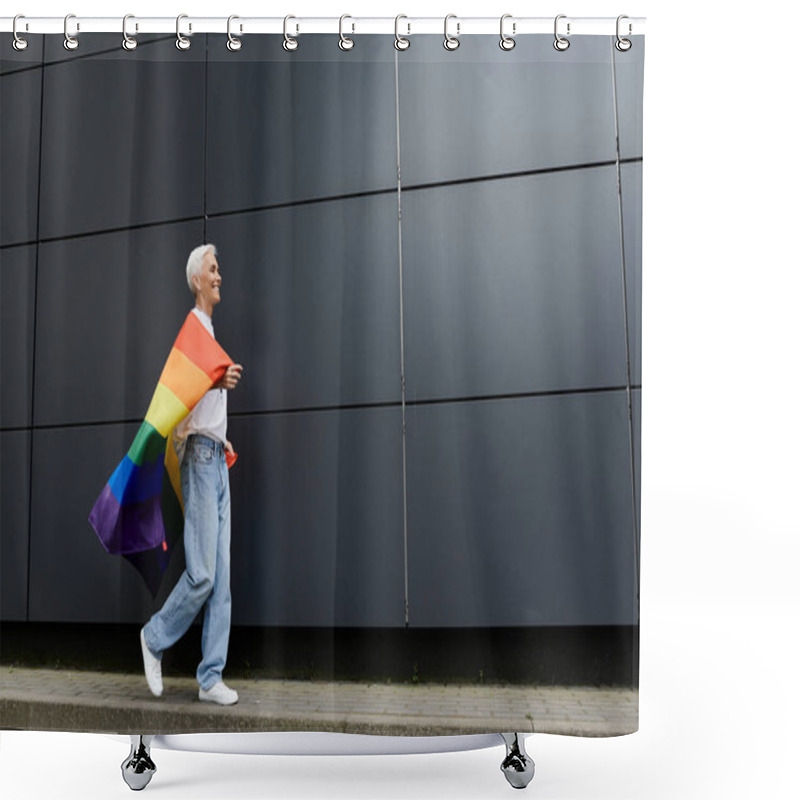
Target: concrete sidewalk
(46,699)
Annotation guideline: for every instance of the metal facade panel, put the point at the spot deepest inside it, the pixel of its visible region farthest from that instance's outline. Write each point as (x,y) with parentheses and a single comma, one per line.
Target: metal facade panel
(520,512)
(18,276)
(15,452)
(109,308)
(123,139)
(286,127)
(312,295)
(514,286)
(317,537)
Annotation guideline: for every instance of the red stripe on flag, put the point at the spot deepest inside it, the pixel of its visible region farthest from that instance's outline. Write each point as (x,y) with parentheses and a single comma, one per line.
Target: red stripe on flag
(200,347)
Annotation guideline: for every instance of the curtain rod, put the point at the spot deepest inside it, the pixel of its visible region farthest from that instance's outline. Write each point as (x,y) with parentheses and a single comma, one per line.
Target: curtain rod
(406,26)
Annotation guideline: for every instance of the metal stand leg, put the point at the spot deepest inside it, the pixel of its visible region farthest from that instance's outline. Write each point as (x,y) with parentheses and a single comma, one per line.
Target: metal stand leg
(518,766)
(138,768)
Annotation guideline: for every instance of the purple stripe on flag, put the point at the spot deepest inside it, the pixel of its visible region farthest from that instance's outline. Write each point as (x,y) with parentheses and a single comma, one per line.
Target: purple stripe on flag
(130,528)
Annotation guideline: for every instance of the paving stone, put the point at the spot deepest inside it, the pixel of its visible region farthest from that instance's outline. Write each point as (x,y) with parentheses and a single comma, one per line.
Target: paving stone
(43,699)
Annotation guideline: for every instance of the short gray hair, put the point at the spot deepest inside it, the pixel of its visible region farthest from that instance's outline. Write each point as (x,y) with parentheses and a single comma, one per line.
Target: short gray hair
(195,262)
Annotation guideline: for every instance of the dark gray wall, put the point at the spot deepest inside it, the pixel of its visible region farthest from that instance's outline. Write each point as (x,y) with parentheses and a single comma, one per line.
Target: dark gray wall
(520,467)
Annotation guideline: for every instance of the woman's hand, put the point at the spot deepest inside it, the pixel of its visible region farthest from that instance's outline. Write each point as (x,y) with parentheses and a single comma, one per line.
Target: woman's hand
(230,378)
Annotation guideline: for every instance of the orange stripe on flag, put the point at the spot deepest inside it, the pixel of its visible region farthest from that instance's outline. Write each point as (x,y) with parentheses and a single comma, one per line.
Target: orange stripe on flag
(184,378)
(200,347)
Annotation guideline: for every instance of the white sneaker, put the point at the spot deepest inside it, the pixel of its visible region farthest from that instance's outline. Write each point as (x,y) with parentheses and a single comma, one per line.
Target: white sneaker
(152,668)
(219,693)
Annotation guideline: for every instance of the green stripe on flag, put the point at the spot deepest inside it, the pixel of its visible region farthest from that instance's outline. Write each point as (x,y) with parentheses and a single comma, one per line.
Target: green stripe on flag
(148,446)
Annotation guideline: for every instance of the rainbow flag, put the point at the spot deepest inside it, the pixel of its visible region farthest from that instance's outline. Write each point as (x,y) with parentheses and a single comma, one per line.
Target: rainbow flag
(128,516)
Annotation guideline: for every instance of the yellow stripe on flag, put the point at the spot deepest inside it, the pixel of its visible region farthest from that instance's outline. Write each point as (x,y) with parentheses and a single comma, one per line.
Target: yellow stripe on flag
(165,411)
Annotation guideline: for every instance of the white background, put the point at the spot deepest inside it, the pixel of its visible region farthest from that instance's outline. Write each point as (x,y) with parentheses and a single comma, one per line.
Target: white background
(720,613)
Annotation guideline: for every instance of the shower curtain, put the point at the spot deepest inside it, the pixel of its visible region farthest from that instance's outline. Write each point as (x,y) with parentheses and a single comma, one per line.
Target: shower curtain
(431,276)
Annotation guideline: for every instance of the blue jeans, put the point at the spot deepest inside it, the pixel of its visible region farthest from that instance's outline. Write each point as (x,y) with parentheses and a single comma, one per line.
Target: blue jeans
(206,579)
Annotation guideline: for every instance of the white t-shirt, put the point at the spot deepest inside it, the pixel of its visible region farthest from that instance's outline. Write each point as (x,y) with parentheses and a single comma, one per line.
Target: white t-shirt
(210,416)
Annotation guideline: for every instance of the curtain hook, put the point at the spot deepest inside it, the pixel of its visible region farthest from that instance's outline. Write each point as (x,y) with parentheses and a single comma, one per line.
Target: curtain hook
(623,44)
(560,43)
(400,43)
(128,42)
(19,42)
(70,42)
(182,43)
(451,42)
(345,43)
(289,44)
(506,42)
(233,44)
